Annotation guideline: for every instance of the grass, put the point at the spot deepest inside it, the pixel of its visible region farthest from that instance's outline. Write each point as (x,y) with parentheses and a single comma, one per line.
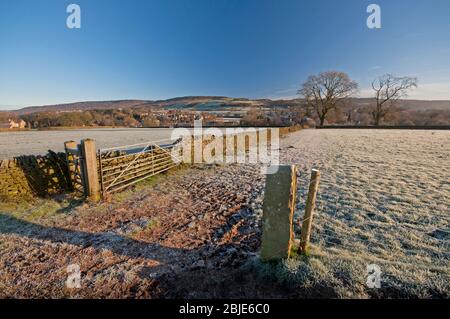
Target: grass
(152,224)
(32,208)
(68,128)
(14,129)
(143,185)
(383,199)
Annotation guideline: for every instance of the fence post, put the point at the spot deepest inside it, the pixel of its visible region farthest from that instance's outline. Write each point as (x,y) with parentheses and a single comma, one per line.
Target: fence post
(278,213)
(69,158)
(90,169)
(309,211)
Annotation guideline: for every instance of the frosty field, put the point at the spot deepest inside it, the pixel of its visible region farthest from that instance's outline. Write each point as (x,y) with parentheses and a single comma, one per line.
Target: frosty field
(384,200)
(39,142)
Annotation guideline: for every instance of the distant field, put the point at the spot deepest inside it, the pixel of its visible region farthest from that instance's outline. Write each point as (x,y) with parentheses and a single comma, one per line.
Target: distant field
(34,142)
(39,142)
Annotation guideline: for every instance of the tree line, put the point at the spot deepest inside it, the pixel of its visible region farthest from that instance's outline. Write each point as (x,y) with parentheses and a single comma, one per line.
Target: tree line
(324,98)
(330,91)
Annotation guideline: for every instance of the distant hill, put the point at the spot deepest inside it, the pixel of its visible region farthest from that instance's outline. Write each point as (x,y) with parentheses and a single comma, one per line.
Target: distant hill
(409,104)
(425,105)
(188,102)
(204,103)
(83,106)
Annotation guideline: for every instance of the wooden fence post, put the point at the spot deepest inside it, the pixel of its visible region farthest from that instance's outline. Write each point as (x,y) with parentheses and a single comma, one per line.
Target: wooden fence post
(278,213)
(309,211)
(90,169)
(69,157)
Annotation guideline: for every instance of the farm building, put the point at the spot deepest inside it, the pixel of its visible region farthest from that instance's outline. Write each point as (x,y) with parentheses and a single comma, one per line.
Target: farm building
(18,124)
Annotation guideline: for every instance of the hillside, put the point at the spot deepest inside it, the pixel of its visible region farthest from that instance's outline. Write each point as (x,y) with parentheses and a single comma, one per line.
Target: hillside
(83,106)
(204,103)
(425,105)
(145,113)
(189,102)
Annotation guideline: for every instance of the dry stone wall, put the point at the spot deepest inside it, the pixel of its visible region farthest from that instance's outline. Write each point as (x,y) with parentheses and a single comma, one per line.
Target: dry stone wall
(34,175)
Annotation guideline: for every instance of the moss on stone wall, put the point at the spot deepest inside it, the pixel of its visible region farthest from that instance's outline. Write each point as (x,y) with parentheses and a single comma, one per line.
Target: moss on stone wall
(34,175)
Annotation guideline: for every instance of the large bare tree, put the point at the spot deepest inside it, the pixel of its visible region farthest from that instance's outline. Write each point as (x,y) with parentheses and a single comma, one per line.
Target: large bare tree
(324,92)
(388,90)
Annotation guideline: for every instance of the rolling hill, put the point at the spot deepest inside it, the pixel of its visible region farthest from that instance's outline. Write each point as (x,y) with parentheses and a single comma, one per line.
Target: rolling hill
(204,103)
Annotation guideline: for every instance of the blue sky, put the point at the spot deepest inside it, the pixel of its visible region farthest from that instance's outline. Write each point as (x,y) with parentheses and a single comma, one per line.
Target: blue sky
(243,48)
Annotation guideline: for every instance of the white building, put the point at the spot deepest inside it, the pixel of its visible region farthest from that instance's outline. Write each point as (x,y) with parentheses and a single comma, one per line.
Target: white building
(19,124)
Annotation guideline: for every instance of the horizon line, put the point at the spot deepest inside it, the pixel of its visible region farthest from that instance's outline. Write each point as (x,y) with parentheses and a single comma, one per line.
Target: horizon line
(20,107)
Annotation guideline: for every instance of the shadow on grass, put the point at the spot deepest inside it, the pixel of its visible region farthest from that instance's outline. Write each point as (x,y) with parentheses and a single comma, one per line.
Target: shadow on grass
(188,281)
(249,278)
(72,204)
(106,240)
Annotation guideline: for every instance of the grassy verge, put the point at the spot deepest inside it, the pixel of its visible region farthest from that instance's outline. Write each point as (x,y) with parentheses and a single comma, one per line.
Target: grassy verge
(32,209)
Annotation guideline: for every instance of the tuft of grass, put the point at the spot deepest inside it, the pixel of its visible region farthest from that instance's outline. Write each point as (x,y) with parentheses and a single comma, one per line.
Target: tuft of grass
(45,209)
(295,250)
(151,181)
(152,224)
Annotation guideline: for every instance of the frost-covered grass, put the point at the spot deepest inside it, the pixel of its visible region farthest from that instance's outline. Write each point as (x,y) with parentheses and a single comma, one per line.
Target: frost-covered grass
(39,142)
(384,199)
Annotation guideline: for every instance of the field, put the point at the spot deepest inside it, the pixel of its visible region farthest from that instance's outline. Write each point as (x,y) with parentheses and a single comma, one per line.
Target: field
(39,142)
(384,199)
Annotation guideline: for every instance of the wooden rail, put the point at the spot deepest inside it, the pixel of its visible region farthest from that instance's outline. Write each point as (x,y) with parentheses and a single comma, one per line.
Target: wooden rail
(126,165)
(96,173)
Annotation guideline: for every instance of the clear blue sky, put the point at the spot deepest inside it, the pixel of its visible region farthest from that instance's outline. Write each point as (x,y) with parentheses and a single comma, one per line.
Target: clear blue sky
(243,48)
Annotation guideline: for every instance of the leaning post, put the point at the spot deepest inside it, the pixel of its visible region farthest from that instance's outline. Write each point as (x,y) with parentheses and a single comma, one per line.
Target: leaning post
(309,211)
(89,153)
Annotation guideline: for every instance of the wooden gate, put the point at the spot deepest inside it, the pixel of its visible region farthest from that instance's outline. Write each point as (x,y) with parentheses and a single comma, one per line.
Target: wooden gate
(120,167)
(113,169)
(74,162)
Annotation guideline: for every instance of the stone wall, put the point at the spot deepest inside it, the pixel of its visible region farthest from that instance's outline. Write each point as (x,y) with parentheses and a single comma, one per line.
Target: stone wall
(286,130)
(49,174)
(34,175)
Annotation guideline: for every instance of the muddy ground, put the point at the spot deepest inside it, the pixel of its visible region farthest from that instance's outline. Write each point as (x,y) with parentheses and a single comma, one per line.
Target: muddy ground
(173,238)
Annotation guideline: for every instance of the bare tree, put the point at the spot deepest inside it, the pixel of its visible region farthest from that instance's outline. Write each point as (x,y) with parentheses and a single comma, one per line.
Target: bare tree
(324,92)
(388,90)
